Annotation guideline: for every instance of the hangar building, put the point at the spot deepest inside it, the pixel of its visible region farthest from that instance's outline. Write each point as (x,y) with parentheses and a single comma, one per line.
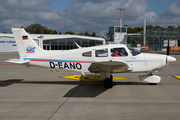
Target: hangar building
(51,41)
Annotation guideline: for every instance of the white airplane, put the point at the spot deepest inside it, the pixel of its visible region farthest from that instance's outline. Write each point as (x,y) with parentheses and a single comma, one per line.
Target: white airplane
(104,60)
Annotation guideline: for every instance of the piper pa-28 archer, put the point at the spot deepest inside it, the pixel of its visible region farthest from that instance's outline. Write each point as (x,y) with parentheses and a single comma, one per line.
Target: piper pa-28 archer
(104,59)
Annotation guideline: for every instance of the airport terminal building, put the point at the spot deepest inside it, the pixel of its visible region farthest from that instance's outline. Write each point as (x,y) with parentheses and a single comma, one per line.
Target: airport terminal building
(51,41)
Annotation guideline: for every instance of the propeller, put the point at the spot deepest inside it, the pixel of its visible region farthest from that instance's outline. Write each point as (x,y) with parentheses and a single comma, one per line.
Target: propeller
(169,59)
(167,55)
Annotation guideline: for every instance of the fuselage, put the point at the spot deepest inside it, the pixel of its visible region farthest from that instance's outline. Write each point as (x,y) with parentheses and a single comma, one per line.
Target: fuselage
(80,59)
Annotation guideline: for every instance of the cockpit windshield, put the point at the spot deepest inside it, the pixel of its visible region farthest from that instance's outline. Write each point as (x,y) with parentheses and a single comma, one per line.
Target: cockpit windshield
(134,51)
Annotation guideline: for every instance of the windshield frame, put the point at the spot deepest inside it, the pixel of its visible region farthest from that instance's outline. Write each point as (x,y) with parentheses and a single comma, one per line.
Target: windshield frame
(134,51)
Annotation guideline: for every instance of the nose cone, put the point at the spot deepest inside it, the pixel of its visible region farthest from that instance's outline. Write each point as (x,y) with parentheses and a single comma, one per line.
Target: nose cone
(171,59)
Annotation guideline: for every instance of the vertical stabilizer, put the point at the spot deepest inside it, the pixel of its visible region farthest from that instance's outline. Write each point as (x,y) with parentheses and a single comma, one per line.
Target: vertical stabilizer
(25,44)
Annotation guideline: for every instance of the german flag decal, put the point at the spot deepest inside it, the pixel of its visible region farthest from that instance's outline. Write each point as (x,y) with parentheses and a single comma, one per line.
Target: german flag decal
(24,37)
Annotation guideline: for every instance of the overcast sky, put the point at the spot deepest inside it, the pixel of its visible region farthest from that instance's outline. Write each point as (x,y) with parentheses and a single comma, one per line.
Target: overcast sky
(87,15)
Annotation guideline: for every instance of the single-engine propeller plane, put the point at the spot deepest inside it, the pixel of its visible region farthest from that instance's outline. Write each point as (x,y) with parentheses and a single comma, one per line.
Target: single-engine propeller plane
(103,60)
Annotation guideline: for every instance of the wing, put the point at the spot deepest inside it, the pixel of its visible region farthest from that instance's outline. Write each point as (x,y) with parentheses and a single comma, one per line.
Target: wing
(109,66)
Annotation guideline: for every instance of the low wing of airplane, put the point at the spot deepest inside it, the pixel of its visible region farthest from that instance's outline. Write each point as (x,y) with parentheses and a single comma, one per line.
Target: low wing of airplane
(109,66)
(97,59)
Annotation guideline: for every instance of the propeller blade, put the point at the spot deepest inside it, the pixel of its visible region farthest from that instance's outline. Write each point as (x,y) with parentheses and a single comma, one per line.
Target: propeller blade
(167,62)
(167,66)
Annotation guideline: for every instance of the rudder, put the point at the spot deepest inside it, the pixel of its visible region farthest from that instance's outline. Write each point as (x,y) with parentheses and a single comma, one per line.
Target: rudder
(25,44)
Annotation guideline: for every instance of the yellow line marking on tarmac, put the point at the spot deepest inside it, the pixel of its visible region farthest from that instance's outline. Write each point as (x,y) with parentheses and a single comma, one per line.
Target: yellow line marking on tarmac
(178,77)
(53,70)
(66,73)
(89,77)
(168,83)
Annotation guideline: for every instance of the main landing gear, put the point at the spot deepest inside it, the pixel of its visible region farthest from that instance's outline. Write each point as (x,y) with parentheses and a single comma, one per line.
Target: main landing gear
(108,83)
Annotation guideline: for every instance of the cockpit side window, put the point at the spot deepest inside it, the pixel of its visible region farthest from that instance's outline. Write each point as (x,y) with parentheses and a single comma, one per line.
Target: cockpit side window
(101,52)
(134,51)
(87,54)
(118,52)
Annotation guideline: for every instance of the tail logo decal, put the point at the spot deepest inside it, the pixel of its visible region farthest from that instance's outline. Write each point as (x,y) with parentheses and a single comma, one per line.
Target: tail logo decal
(30,49)
(25,37)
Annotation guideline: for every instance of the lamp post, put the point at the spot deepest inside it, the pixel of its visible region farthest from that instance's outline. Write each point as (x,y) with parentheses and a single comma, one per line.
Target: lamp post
(121,9)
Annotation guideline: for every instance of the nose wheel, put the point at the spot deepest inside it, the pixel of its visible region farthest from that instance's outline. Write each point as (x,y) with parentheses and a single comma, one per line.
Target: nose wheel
(108,83)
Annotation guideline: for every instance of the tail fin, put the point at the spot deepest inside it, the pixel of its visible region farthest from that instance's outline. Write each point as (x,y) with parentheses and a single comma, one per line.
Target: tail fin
(25,44)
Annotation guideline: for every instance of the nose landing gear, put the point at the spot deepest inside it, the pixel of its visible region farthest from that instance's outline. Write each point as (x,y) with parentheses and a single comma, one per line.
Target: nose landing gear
(150,78)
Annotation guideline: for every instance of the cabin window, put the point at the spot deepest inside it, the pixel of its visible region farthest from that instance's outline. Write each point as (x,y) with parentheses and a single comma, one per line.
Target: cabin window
(101,52)
(118,52)
(87,54)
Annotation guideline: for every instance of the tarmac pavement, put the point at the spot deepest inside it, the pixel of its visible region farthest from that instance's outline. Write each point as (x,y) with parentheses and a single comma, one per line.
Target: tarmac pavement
(40,94)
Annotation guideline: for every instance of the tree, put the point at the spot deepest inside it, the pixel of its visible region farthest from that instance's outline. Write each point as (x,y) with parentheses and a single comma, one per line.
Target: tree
(93,34)
(54,32)
(35,29)
(39,29)
(149,27)
(70,33)
(81,33)
(86,33)
(157,27)
(171,27)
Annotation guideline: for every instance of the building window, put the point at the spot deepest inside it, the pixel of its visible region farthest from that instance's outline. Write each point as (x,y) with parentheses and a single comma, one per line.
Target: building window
(117,29)
(68,43)
(98,42)
(111,29)
(92,42)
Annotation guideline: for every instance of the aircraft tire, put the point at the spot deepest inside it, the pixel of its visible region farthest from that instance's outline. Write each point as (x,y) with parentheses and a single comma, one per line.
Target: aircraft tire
(152,83)
(108,83)
(111,77)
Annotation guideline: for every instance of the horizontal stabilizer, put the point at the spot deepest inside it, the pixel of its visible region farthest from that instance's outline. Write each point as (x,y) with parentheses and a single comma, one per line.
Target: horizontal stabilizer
(17,61)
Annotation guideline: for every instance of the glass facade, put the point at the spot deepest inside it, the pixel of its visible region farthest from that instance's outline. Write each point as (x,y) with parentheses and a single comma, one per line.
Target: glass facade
(68,43)
(117,29)
(111,29)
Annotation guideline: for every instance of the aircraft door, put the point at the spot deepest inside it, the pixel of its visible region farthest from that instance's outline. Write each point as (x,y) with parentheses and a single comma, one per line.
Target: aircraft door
(121,54)
(139,61)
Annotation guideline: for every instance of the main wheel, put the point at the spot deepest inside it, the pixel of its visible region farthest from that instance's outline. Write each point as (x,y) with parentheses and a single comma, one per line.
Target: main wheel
(108,83)
(152,83)
(111,77)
